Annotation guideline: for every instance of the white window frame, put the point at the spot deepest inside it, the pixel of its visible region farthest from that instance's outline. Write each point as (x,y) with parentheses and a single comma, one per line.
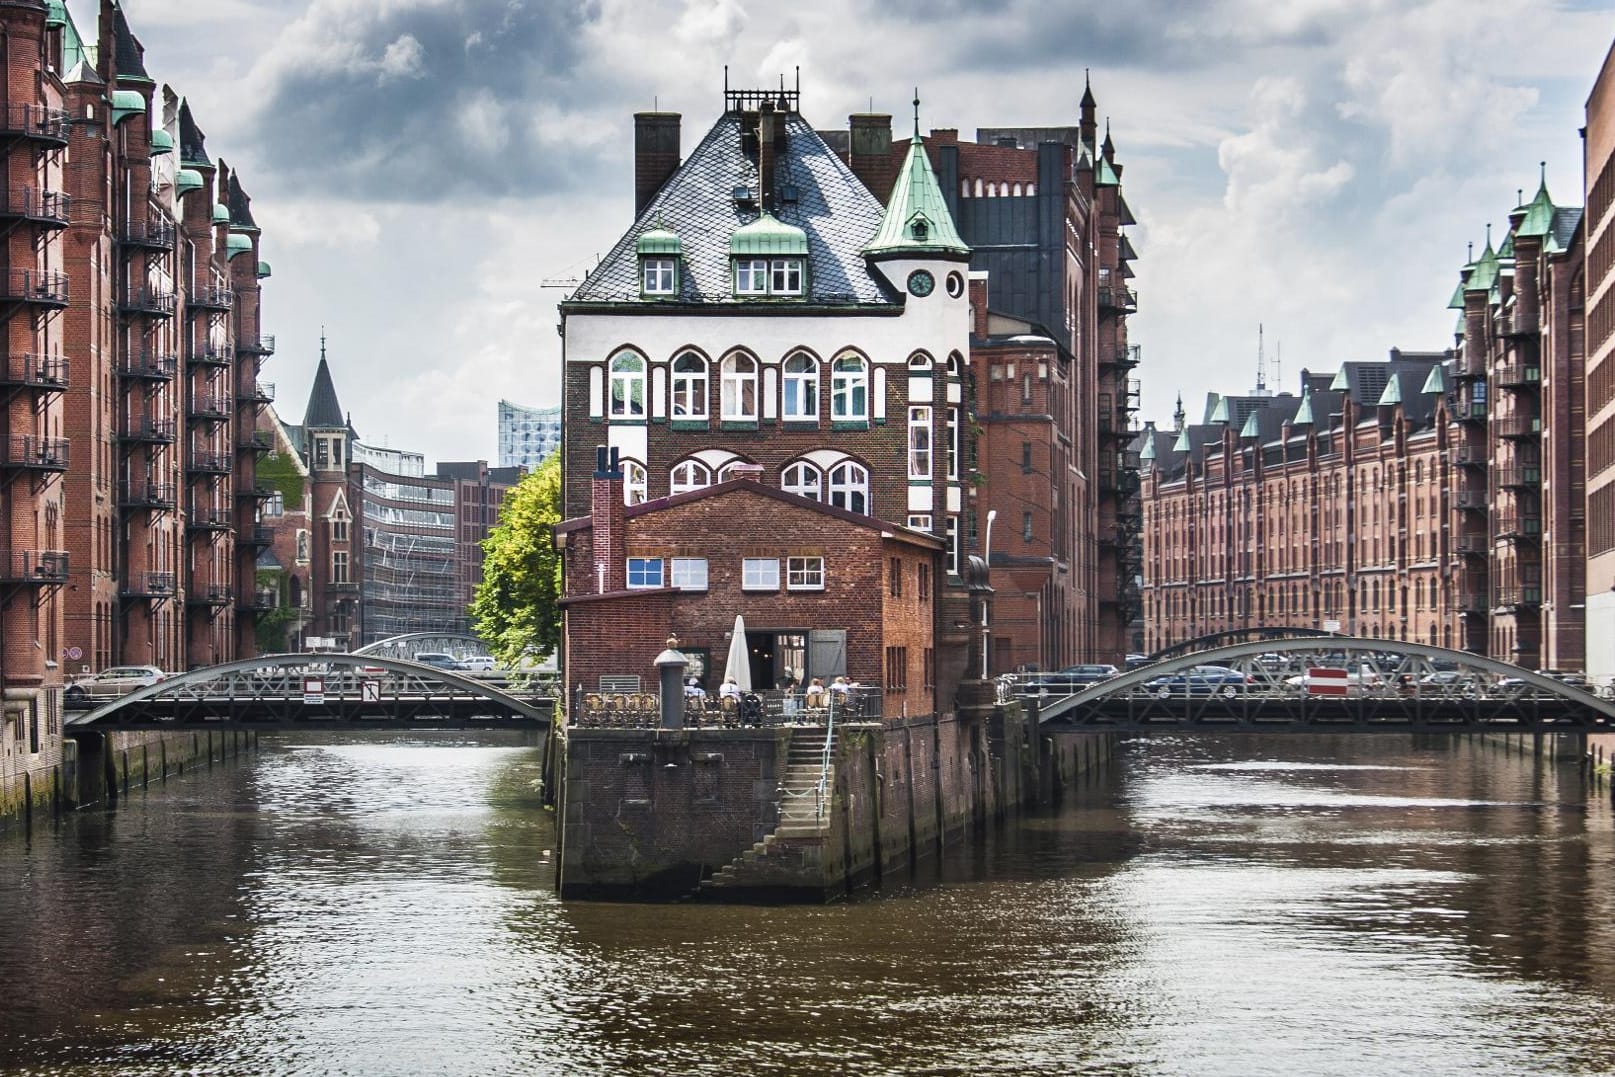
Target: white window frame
(739,388)
(659,276)
(688,573)
(951,449)
(635,483)
(643,565)
(920,521)
(689,387)
(785,276)
(803,479)
(849,389)
(919,442)
(751,276)
(804,573)
(848,486)
(625,394)
(803,403)
(759,574)
(689,475)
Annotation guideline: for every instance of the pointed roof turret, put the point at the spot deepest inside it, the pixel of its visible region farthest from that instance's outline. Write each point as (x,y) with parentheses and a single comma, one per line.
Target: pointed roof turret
(1538,219)
(192,142)
(917,220)
(1485,273)
(1183,444)
(240,207)
(1253,426)
(1436,383)
(1303,414)
(128,55)
(1392,395)
(324,411)
(1148,451)
(1087,90)
(1179,415)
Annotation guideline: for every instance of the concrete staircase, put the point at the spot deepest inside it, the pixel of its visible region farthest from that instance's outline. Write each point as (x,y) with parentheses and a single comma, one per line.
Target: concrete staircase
(804,819)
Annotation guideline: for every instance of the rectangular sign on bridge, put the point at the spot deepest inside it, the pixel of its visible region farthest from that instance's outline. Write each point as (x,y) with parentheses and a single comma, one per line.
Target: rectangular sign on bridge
(313,689)
(1322,681)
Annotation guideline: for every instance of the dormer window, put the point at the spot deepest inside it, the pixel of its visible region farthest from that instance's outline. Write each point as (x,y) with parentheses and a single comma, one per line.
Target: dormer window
(751,276)
(769,258)
(659,251)
(785,276)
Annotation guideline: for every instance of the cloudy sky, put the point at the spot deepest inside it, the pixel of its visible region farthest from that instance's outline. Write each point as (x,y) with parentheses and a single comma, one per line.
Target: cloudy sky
(421,167)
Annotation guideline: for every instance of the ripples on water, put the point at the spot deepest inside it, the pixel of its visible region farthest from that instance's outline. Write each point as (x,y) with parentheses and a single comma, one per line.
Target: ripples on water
(1219,907)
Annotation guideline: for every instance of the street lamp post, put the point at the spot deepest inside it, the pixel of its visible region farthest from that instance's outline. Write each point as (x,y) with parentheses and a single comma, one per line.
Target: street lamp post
(987,571)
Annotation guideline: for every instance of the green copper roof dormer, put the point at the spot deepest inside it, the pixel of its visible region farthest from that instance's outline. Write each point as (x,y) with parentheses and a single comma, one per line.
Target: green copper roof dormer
(127,103)
(1341,383)
(1392,395)
(221,213)
(1219,414)
(1506,251)
(1436,383)
(1105,175)
(1182,444)
(161,142)
(1148,451)
(1538,219)
(237,244)
(263,270)
(660,240)
(917,220)
(1457,300)
(1485,274)
(1253,429)
(767,235)
(1303,414)
(188,180)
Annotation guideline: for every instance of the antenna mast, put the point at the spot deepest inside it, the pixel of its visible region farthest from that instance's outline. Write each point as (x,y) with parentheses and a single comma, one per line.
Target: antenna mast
(1261,364)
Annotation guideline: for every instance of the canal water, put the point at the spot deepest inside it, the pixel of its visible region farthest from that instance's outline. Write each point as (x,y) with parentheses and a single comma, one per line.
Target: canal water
(1235,906)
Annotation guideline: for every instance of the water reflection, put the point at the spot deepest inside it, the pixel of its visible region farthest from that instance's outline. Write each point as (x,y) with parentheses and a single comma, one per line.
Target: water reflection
(1223,907)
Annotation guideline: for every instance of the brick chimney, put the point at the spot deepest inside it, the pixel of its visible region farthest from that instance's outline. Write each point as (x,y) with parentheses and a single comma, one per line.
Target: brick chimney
(610,525)
(768,122)
(869,151)
(656,154)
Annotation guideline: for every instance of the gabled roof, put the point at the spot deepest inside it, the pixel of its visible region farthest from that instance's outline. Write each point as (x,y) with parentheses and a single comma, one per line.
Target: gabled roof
(324,411)
(917,220)
(752,486)
(833,209)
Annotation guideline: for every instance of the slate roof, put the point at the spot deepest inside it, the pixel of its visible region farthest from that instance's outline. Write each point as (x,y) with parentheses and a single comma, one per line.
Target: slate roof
(192,142)
(129,58)
(833,207)
(240,206)
(324,410)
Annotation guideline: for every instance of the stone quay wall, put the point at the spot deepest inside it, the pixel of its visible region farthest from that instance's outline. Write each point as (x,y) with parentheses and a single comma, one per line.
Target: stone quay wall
(673,814)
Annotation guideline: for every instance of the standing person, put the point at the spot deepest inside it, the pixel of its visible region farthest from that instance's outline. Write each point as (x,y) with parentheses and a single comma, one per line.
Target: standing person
(787,686)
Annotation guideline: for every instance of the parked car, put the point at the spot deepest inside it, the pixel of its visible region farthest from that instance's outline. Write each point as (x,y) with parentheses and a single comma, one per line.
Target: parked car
(110,683)
(1513,686)
(1200,681)
(1067,681)
(475,662)
(440,659)
(1451,682)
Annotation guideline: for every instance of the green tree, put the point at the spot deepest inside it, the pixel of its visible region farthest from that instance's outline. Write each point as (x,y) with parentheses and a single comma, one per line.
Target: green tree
(516,608)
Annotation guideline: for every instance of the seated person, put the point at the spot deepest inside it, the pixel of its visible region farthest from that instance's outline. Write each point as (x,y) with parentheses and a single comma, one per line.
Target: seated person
(815,696)
(693,689)
(730,689)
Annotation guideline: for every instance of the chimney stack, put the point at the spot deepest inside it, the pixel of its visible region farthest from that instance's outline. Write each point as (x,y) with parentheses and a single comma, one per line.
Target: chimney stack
(747,472)
(656,154)
(610,523)
(768,123)
(869,151)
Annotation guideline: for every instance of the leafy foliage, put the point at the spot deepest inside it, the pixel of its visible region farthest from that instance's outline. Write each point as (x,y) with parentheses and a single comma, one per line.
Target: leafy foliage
(516,608)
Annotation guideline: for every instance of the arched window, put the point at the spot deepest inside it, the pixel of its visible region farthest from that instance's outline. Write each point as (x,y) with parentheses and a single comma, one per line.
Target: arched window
(626,399)
(849,389)
(849,487)
(804,479)
(740,387)
(919,362)
(690,475)
(689,387)
(727,471)
(801,387)
(635,483)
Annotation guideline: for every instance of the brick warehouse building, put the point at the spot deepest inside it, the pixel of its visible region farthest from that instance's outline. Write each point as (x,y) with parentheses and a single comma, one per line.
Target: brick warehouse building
(1043,213)
(1598,172)
(365,543)
(765,311)
(1435,498)
(132,316)
(687,564)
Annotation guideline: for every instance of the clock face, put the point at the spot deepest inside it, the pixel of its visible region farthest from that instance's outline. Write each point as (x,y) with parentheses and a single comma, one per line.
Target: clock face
(920,283)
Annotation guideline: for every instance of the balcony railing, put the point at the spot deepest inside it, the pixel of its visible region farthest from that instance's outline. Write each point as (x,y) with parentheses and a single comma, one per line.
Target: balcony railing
(642,710)
(1519,322)
(1470,499)
(209,355)
(1519,477)
(155,233)
(1471,545)
(209,518)
(35,371)
(145,428)
(1469,456)
(1470,411)
(1516,375)
(45,287)
(257,536)
(1115,298)
(151,365)
(154,301)
(35,204)
(263,345)
(257,441)
(256,493)
(1518,426)
(149,585)
(262,392)
(1473,602)
(34,566)
(147,495)
(1526,595)
(1514,525)
(259,602)
(208,594)
(36,454)
(211,297)
(209,462)
(34,122)
(210,407)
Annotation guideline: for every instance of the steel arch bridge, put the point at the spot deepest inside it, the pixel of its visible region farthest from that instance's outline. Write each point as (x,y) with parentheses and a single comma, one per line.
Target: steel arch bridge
(317,691)
(1233,636)
(1386,686)
(410,644)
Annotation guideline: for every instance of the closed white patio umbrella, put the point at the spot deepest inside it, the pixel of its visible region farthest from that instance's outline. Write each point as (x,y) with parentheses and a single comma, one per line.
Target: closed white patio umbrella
(738,664)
